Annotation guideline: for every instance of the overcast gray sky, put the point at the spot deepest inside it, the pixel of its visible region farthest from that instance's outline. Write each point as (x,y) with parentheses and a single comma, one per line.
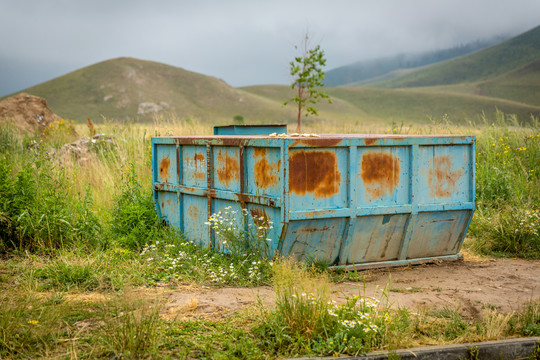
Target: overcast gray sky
(242,42)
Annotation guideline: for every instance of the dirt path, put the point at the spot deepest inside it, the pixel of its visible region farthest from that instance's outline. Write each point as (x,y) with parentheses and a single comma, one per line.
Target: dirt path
(469,286)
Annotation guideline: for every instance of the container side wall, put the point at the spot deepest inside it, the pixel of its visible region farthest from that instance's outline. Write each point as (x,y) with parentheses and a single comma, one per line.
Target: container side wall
(445,174)
(167,170)
(375,238)
(315,239)
(226,170)
(318,178)
(438,233)
(169,207)
(194,166)
(195,216)
(263,171)
(384,176)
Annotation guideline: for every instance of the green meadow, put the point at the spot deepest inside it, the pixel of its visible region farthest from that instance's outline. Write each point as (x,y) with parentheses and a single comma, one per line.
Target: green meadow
(81,242)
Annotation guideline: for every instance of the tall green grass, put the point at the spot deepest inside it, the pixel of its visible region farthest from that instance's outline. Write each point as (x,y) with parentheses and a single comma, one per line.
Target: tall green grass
(507,218)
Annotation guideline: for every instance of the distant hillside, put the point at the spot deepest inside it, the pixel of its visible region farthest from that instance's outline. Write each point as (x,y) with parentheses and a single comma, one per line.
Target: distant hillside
(405,105)
(135,89)
(522,85)
(364,72)
(483,65)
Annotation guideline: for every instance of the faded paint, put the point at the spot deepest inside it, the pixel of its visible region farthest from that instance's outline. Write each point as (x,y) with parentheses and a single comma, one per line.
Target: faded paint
(380,173)
(228,167)
(164,165)
(441,179)
(197,166)
(266,173)
(193,211)
(314,172)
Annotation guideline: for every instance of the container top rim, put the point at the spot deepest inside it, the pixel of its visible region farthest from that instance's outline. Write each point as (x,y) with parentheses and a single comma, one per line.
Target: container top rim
(318,136)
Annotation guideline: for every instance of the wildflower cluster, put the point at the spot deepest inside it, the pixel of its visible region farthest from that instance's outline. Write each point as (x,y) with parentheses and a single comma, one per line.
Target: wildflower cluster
(358,323)
(240,233)
(185,260)
(60,132)
(529,223)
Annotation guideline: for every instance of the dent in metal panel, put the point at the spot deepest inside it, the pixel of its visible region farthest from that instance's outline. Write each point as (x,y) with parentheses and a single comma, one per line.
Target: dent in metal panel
(384,176)
(317,178)
(195,215)
(194,164)
(438,233)
(375,238)
(314,239)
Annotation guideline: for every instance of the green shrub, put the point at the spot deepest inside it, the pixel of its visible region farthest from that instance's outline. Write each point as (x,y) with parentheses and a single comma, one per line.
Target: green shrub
(134,221)
(37,205)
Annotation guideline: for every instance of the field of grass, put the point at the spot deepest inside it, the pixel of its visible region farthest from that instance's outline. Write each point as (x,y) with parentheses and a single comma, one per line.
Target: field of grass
(84,256)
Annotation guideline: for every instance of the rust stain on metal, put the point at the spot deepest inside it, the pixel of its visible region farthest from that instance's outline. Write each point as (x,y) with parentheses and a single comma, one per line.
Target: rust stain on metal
(370,141)
(318,142)
(265,172)
(380,173)
(178,163)
(198,159)
(310,229)
(228,168)
(193,211)
(164,165)
(232,141)
(314,172)
(441,179)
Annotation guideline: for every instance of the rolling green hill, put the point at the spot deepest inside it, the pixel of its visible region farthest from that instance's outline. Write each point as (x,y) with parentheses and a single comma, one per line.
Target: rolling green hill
(484,65)
(124,88)
(369,71)
(405,105)
(116,88)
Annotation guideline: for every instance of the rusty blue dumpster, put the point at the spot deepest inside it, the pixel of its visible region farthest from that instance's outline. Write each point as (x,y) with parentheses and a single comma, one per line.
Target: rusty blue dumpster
(348,200)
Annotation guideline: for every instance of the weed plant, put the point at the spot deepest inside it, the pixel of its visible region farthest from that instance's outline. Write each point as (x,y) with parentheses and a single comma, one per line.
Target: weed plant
(245,238)
(306,320)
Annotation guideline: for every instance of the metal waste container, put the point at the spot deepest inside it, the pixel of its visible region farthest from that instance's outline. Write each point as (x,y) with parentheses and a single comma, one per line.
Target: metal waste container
(349,200)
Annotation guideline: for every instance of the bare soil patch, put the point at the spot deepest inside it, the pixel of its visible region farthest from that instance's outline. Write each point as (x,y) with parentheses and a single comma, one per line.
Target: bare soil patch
(469,286)
(28,113)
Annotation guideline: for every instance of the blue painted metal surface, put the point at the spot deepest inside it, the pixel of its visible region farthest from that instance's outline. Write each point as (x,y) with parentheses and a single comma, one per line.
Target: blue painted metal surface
(250,129)
(349,200)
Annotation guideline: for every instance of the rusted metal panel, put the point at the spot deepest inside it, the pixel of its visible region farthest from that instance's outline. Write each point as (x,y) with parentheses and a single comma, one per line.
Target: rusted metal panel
(349,200)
